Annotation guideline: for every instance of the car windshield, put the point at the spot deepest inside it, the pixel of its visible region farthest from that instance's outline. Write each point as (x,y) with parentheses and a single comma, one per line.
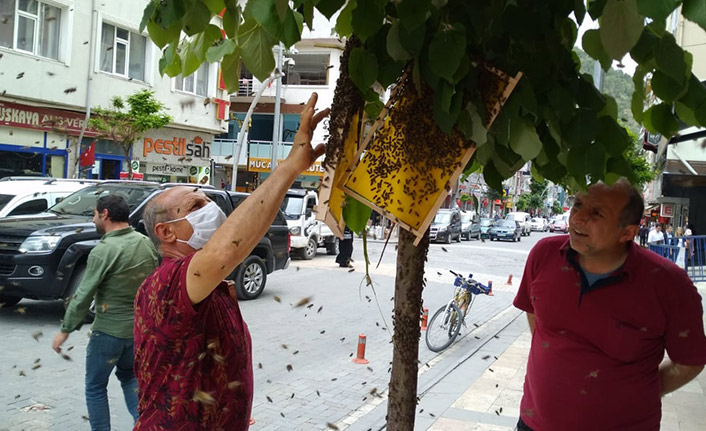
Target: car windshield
(505,223)
(466,218)
(536,220)
(83,202)
(292,207)
(442,218)
(4,199)
(486,222)
(559,222)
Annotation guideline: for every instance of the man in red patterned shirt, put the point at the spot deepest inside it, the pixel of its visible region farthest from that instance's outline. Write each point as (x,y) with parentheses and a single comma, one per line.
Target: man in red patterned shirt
(193,359)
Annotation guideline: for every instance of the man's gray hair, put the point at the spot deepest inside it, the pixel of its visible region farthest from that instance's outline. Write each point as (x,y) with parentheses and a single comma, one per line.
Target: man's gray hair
(634,208)
(155,213)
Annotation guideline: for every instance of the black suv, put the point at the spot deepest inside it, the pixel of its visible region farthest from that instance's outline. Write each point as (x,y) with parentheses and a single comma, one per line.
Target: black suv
(43,256)
(446,226)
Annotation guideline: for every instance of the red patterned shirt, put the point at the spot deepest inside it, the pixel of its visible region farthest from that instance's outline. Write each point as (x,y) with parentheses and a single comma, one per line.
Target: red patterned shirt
(193,363)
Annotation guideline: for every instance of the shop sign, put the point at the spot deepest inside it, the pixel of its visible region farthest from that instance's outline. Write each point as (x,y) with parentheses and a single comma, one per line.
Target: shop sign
(260,164)
(168,170)
(33,117)
(137,176)
(175,147)
(666,210)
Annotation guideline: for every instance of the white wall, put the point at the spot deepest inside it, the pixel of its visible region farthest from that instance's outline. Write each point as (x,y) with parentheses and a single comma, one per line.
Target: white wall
(45,80)
(692,38)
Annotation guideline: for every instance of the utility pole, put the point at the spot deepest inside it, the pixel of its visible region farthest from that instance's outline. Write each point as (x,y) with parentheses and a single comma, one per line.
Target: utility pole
(278,97)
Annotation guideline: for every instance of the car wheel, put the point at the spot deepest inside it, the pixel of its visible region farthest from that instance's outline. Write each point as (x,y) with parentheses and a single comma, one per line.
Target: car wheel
(448,238)
(332,247)
(9,301)
(251,278)
(519,238)
(309,251)
(75,281)
(458,238)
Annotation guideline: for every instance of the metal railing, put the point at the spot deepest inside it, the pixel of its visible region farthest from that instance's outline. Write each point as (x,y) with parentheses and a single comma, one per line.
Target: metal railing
(246,86)
(688,252)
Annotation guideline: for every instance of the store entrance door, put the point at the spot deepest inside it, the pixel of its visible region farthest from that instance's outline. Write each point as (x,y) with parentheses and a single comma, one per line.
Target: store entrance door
(110,169)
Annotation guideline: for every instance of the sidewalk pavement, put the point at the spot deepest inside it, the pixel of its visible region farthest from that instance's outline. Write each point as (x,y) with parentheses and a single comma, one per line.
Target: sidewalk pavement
(491,401)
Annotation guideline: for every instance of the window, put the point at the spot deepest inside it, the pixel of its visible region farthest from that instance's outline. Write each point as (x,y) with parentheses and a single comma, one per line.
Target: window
(306,69)
(31,26)
(122,52)
(32,207)
(196,83)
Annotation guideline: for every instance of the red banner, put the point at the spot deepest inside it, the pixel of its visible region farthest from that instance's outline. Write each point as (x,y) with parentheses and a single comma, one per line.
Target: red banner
(50,120)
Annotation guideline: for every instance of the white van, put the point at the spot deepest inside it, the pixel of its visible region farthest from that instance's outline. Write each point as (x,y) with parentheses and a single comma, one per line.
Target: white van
(306,233)
(523,219)
(33,195)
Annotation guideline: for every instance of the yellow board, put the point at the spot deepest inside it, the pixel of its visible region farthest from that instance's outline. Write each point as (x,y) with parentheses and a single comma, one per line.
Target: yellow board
(385,180)
(332,198)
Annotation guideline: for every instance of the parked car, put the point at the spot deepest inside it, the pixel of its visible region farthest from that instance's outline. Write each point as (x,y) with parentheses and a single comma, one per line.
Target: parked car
(32,195)
(539,224)
(44,255)
(446,226)
(469,225)
(523,219)
(506,229)
(308,234)
(485,225)
(559,225)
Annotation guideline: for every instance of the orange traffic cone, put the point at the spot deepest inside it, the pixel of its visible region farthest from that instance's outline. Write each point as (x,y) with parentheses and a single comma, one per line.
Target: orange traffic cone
(360,358)
(425,318)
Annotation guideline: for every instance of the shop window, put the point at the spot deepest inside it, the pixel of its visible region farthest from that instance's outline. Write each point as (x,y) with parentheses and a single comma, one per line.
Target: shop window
(31,26)
(31,207)
(122,52)
(196,83)
(306,69)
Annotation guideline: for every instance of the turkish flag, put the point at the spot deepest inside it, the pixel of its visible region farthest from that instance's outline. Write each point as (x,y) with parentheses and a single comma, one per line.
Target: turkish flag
(88,157)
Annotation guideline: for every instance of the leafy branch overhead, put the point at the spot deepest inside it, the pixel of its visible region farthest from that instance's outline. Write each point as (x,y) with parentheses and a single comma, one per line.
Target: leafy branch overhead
(555,118)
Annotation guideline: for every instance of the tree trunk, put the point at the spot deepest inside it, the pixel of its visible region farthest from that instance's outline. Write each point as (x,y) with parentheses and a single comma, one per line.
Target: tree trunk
(129,161)
(409,283)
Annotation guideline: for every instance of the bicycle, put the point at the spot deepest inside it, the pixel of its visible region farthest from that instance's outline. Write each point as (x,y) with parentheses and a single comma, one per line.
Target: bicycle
(445,324)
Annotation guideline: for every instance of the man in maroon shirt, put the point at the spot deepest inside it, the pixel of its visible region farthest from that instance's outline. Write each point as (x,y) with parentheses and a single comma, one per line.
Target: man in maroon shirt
(602,312)
(193,359)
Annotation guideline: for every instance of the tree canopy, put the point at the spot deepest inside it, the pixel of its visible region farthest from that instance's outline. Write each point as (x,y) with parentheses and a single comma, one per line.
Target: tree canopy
(555,118)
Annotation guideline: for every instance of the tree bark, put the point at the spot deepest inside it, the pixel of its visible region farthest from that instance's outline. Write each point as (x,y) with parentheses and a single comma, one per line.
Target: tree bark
(129,161)
(409,283)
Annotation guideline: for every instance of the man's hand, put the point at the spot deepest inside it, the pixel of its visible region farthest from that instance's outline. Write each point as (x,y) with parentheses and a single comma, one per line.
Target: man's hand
(59,339)
(673,376)
(302,155)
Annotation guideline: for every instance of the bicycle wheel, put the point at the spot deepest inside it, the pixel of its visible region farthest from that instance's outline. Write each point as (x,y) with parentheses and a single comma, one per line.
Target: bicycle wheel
(443,328)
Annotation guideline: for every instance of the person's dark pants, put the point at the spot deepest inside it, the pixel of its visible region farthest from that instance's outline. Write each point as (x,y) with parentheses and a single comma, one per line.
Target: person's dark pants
(522,426)
(345,251)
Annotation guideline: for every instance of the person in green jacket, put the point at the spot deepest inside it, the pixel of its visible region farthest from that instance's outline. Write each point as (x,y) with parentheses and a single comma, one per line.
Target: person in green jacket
(116,268)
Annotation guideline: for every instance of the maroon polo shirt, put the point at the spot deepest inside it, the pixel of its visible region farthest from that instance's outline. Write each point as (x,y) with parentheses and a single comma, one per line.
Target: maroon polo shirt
(593,364)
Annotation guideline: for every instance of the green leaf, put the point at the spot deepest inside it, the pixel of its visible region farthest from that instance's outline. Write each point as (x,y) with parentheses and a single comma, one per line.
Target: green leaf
(231,21)
(670,58)
(329,7)
(582,128)
(394,45)
(230,70)
(524,139)
(256,45)
(344,26)
(579,10)
(170,63)
(442,96)
(613,137)
(215,6)
(637,102)
(413,40)
(610,108)
(356,214)
(621,26)
(162,37)
(170,12)
(595,8)
(190,60)
(686,114)
(293,26)
(363,68)
(203,41)
(620,167)
(367,18)
(446,49)
(373,109)
(307,11)
(215,53)
(147,15)
(666,88)
(446,120)
(644,49)
(593,46)
(413,13)
(657,9)
(492,177)
(479,133)
(196,19)
(660,119)
(696,95)
(282,7)
(265,13)
(695,10)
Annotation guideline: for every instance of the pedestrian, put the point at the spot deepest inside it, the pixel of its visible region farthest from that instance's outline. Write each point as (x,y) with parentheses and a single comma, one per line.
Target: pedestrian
(116,267)
(656,236)
(193,351)
(345,249)
(643,234)
(602,313)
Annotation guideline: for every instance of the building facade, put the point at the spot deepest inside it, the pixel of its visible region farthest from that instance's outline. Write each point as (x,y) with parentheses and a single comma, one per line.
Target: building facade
(62,58)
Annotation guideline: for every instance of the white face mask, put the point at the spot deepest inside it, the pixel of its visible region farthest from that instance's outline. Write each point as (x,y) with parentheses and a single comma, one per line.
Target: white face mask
(204,221)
